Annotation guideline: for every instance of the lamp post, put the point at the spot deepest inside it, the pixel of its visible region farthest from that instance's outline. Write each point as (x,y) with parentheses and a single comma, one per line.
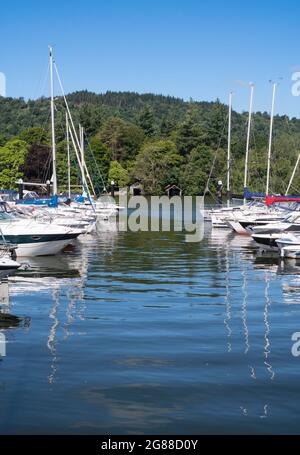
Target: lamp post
(21,188)
(112,185)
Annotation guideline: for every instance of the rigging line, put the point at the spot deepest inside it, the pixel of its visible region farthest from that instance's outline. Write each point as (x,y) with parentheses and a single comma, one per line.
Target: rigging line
(290,131)
(88,155)
(254,147)
(44,128)
(297,161)
(295,188)
(42,81)
(47,169)
(47,166)
(95,177)
(95,161)
(41,85)
(251,149)
(77,169)
(75,137)
(84,184)
(62,125)
(215,157)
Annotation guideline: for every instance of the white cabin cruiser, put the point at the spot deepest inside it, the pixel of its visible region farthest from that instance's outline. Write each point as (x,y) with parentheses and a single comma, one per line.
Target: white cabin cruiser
(34,238)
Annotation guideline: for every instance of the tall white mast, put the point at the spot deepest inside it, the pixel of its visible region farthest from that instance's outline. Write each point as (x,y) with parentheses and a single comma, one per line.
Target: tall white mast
(68,151)
(270,138)
(54,178)
(229,146)
(81,138)
(248,138)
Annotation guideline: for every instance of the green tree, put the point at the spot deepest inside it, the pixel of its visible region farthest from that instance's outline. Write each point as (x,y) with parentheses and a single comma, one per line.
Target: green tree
(2,140)
(189,133)
(167,126)
(91,118)
(156,164)
(12,157)
(194,174)
(118,174)
(37,166)
(146,121)
(112,117)
(217,126)
(123,138)
(35,135)
(103,155)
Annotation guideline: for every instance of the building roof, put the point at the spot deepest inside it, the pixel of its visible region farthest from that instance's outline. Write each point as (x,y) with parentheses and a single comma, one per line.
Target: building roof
(169,187)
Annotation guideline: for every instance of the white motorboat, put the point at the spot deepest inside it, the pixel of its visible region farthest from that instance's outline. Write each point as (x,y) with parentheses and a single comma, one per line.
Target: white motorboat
(289,246)
(34,238)
(267,241)
(242,224)
(59,216)
(266,235)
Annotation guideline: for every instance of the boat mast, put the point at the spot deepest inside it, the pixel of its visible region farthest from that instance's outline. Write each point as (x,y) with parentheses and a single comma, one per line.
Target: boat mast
(229,147)
(68,151)
(54,177)
(248,139)
(270,138)
(81,138)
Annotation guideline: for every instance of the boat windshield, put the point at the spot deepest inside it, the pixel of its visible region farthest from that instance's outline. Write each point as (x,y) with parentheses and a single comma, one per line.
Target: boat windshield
(291,217)
(4,216)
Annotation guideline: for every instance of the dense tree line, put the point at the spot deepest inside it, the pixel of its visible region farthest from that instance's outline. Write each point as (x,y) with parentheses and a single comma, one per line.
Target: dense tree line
(152,139)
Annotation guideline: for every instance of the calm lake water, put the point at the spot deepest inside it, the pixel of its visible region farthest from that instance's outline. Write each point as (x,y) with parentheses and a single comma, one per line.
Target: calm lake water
(139,333)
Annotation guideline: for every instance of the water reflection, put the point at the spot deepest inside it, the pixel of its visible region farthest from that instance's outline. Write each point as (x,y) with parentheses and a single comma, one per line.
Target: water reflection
(237,251)
(51,341)
(267,349)
(288,269)
(62,275)
(144,332)
(8,320)
(227,319)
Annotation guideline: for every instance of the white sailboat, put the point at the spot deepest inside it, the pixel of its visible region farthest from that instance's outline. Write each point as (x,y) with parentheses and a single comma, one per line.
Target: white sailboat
(36,238)
(240,223)
(219,216)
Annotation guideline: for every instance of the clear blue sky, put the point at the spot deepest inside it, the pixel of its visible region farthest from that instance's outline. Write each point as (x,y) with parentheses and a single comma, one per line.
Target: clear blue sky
(183,48)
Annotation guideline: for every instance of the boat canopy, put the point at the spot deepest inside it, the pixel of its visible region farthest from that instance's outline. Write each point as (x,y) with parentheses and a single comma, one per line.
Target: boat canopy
(271,199)
(50,202)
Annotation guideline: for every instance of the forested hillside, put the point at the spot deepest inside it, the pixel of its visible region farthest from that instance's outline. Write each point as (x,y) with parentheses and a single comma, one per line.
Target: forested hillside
(153,139)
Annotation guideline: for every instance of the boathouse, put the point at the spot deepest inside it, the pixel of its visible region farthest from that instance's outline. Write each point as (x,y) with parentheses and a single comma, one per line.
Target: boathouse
(173,190)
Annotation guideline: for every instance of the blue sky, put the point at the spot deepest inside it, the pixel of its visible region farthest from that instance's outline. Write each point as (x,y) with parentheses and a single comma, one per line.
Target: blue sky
(187,48)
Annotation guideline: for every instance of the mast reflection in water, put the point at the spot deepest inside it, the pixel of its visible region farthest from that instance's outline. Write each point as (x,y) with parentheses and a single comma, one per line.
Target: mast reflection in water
(145,333)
